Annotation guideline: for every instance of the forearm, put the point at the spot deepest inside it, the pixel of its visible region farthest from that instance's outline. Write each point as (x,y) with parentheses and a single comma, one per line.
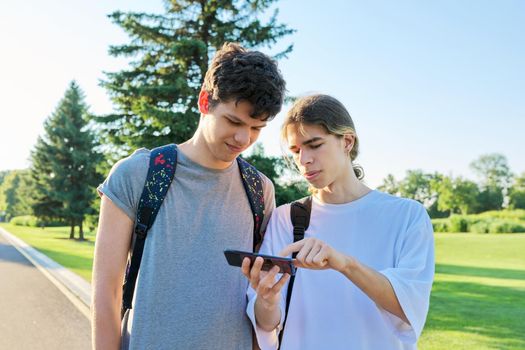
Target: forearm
(375,285)
(267,315)
(106,323)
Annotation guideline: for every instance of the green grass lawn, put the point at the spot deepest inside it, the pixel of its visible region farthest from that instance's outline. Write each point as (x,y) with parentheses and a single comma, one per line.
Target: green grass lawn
(478,297)
(55,243)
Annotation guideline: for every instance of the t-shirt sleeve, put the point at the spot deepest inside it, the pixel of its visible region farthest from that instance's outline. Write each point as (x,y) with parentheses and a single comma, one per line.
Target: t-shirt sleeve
(278,235)
(125,182)
(411,278)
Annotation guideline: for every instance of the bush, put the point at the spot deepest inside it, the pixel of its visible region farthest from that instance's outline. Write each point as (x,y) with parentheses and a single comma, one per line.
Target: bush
(506,226)
(458,223)
(514,215)
(482,226)
(440,225)
(33,221)
(24,220)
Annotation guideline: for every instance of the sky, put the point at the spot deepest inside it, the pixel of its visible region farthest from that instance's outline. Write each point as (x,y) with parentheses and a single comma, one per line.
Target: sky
(430,85)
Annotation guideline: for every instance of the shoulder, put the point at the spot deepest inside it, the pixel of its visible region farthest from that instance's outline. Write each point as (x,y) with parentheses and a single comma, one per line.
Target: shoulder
(405,205)
(282,213)
(133,165)
(412,211)
(265,181)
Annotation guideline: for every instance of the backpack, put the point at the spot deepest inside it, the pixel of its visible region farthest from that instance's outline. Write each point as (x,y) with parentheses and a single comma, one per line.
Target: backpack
(161,171)
(300,214)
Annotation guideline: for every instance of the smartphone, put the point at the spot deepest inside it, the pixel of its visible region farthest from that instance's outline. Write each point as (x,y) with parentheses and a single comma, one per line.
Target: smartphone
(235,258)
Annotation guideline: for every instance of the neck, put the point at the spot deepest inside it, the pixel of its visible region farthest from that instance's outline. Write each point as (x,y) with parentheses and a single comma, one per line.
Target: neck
(344,190)
(198,151)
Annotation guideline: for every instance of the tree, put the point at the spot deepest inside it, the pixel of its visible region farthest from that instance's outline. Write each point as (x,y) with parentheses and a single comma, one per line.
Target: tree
(517,193)
(495,175)
(416,185)
(275,168)
(16,194)
(457,195)
(493,170)
(64,164)
(389,185)
(156,99)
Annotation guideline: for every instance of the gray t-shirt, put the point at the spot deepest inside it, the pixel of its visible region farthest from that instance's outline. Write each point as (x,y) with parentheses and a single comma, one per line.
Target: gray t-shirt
(187,296)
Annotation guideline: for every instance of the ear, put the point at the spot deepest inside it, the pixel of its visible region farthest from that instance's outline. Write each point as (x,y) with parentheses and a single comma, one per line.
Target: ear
(349,141)
(203,102)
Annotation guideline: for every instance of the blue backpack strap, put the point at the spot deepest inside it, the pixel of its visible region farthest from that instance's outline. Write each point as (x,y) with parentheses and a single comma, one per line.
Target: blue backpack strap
(300,212)
(162,165)
(252,182)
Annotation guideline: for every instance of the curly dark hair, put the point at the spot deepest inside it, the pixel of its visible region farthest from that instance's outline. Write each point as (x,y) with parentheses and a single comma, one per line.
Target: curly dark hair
(236,74)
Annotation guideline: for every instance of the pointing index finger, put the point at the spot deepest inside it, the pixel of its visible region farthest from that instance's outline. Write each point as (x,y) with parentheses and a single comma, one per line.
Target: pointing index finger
(294,247)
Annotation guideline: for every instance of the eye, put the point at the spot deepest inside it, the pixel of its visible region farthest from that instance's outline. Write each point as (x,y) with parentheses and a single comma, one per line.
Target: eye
(233,122)
(316,146)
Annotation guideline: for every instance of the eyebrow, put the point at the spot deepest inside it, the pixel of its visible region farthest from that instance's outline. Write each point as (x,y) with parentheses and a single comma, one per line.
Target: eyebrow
(238,120)
(307,142)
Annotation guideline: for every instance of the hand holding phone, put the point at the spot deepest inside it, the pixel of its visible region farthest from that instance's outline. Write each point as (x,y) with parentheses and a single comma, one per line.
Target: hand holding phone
(235,258)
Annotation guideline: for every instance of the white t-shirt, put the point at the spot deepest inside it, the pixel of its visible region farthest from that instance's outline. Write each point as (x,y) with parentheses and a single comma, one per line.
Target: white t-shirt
(327,311)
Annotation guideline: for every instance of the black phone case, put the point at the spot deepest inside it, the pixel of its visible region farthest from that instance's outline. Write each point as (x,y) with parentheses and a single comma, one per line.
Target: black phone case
(235,258)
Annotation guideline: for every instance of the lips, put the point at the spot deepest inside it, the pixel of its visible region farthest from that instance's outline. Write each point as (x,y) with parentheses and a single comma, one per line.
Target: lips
(310,175)
(234,149)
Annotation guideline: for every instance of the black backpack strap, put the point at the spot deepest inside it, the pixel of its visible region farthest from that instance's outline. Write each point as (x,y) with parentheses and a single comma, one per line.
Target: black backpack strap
(252,182)
(162,165)
(300,214)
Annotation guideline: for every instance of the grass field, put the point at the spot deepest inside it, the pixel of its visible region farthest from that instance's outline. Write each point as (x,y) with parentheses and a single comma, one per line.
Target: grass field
(55,243)
(478,297)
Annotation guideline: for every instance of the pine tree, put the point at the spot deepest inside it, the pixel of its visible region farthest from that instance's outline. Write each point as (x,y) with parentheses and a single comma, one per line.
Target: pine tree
(64,164)
(156,99)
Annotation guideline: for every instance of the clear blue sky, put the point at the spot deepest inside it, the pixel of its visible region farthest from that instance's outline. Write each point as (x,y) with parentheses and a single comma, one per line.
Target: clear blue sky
(430,85)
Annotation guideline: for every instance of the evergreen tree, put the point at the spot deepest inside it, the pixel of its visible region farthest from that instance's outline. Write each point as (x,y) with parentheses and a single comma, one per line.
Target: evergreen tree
(156,98)
(64,164)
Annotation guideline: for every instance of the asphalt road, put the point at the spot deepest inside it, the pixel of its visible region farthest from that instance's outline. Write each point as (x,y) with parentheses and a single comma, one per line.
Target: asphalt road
(34,314)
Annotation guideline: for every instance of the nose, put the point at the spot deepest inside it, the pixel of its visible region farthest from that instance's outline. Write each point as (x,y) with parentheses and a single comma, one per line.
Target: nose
(305,157)
(242,136)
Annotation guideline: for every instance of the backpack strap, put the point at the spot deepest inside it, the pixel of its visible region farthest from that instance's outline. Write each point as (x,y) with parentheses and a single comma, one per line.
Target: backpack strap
(252,182)
(162,165)
(300,214)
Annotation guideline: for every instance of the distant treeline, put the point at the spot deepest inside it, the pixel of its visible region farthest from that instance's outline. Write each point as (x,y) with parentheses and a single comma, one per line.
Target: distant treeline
(497,188)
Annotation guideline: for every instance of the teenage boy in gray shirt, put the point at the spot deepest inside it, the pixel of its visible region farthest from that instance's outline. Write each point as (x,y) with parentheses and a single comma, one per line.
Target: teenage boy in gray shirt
(187,297)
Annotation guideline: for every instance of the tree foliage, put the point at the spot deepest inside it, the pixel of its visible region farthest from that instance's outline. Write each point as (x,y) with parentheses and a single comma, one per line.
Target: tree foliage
(517,193)
(156,98)
(275,168)
(64,163)
(16,194)
(457,195)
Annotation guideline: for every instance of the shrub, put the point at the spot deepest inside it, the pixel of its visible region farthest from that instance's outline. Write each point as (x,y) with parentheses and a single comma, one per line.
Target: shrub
(33,221)
(506,226)
(482,226)
(458,223)
(24,220)
(515,215)
(441,225)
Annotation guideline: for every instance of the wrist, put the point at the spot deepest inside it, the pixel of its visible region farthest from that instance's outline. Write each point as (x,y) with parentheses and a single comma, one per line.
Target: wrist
(350,266)
(267,305)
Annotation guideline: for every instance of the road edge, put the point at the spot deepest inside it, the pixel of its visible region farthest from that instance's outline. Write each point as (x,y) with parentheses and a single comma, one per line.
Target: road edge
(74,287)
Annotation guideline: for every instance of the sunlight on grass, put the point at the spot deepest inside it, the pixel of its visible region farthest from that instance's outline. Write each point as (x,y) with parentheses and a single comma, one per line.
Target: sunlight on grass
(55,243)
(477,298)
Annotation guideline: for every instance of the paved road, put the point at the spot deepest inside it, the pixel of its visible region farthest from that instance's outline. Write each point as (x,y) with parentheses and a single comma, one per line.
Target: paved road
(34,314)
